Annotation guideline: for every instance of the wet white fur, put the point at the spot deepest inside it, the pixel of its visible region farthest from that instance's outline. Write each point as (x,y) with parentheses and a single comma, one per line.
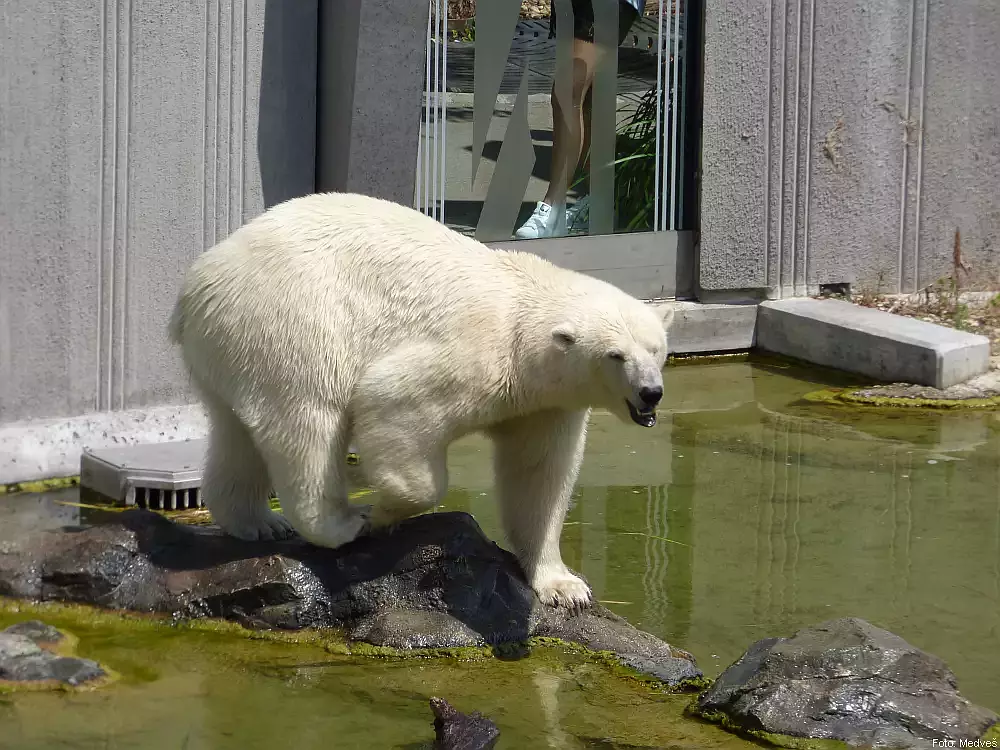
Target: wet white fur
(337,317)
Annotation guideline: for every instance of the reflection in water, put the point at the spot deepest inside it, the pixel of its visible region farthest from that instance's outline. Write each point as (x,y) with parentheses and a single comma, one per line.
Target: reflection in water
(745,513)
(655,598)
(547,684)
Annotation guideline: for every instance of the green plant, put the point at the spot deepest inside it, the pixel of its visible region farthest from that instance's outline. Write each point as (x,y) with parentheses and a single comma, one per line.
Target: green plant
(635,164)
(635,161)
(467,33)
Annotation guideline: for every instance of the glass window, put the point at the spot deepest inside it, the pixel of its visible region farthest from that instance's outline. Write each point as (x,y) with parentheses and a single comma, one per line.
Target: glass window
(548,118)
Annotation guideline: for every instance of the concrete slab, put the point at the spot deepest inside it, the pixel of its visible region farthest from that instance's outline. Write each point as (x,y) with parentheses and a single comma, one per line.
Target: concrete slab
(707,329)
(870,342)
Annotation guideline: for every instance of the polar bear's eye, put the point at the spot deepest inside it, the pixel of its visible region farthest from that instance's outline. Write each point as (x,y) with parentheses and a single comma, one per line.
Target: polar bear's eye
(617,355)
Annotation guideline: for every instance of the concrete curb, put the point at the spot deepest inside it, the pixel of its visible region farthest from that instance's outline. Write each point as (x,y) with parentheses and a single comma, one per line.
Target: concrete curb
(869,342)
(711,328)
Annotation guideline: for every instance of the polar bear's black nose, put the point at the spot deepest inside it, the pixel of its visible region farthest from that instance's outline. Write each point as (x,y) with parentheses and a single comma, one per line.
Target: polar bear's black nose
(651,396)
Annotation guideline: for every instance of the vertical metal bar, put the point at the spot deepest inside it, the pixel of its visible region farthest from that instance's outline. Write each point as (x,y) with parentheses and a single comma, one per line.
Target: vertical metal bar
(425,114)
(444,107)
(436,101)
(682,146)
(668,114)
(418,189)
(674,39)
(658,154)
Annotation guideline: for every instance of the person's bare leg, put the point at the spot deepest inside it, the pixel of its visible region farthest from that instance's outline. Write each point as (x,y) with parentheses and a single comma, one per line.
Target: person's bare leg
(568,123)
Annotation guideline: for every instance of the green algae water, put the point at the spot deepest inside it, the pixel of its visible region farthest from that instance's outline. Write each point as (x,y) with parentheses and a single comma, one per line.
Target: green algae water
(746,512)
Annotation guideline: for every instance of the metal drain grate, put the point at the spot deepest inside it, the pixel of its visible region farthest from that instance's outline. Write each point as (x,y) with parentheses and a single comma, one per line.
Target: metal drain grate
(157,476)
(162,499)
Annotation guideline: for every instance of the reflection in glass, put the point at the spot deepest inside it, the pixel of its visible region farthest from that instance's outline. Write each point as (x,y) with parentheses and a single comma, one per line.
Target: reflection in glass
(529,131)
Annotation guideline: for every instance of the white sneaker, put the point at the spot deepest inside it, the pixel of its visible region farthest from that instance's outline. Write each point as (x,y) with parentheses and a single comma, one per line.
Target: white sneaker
(578,215)
(543,222)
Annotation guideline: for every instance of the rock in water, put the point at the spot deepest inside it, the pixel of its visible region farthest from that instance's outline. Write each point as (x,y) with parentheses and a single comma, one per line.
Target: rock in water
(27,659)
(454,730)
(435,581)
(845,680)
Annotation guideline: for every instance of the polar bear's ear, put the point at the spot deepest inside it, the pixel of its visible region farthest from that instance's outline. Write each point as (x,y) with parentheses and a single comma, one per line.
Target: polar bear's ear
(564,335)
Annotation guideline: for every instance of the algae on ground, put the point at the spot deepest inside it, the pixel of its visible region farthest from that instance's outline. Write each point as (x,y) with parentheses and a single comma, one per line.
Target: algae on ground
(39,485)
(333,641)
(561,690)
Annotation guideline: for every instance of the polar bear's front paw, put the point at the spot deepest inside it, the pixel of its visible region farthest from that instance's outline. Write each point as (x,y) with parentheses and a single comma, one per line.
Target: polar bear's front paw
(560,588)
(267,527)
(347,528)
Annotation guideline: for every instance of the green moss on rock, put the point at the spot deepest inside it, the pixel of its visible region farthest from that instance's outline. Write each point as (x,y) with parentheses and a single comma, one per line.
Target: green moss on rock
(852,397)
(990,739)
(332,641)
(66,646)
(767,738)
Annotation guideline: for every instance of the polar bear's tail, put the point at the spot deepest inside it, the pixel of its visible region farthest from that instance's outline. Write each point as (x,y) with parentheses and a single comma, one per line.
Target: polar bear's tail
(175,329)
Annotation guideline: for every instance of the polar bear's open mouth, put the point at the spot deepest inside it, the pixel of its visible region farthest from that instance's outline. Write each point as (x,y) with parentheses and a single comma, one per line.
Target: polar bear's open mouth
(645,417)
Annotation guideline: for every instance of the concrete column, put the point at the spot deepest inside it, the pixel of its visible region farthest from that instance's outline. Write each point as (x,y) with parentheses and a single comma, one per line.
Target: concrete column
(371,82)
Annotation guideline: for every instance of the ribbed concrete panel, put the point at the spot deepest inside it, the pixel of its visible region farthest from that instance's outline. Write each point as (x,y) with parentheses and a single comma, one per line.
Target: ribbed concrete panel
(133,135)
(849,142)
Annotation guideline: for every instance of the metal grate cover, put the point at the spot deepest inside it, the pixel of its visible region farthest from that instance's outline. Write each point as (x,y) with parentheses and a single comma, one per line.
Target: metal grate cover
(157,476)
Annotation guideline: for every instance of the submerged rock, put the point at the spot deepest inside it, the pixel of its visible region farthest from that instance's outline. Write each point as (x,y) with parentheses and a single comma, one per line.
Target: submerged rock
(844,680)
(454,730)
(434,582)
(30,657)
(982,391)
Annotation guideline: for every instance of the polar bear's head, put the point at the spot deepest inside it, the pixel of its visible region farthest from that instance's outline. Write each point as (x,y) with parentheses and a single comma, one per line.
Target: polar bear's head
(619,345)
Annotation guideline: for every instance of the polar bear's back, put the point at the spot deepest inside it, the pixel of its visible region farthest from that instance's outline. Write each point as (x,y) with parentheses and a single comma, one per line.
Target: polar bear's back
(332,281)
(340,234)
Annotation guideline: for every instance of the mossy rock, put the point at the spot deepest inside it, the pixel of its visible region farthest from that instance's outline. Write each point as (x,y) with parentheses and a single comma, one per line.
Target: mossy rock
(769,739)
(35,656)
(854,397)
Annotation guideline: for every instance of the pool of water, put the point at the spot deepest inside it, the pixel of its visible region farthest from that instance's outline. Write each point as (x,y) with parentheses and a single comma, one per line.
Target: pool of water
(745,513)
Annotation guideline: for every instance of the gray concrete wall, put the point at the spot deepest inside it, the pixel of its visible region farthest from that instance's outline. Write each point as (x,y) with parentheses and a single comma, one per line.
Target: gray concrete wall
(133,135)
(848,141)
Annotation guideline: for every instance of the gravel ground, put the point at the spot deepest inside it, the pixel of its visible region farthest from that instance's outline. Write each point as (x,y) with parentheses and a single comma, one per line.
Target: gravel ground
(975,312)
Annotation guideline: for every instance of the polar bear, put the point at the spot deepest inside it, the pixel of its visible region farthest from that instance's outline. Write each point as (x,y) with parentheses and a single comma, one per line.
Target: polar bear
(337,317)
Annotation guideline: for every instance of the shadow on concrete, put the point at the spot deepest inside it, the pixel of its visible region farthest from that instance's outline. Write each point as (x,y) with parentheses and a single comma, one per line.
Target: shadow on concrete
(286,115)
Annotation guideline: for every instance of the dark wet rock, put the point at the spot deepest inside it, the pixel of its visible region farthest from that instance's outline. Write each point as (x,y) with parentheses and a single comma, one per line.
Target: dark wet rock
(26,658)
(845,680)
(454,730)
(435,581)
